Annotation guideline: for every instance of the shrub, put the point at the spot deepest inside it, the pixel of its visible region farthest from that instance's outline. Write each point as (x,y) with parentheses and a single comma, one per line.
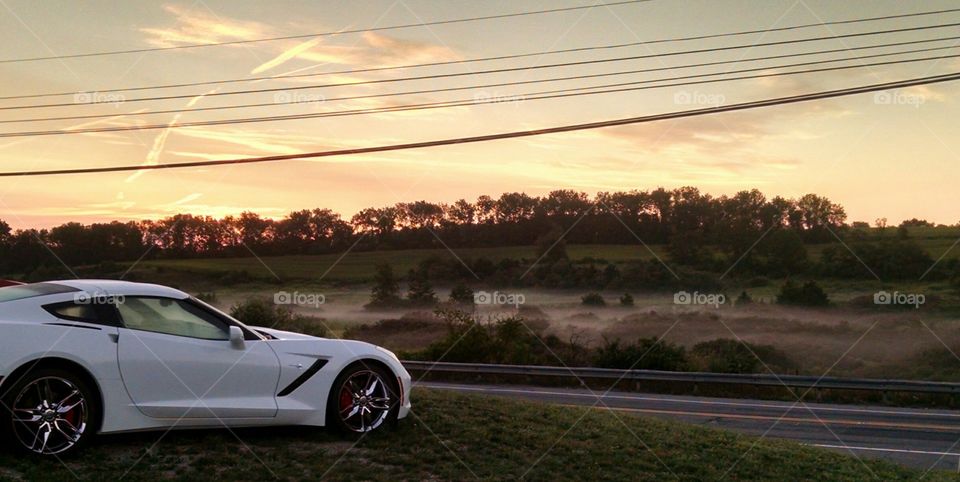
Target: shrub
(593,299)
(461,294)
(810,294)
(509,340)
(725,356)
(626,300)
(420,291)
(645,354)
(386,288)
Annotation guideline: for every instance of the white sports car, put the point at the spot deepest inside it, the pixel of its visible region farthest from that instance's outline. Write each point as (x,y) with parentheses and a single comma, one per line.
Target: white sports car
(78,358)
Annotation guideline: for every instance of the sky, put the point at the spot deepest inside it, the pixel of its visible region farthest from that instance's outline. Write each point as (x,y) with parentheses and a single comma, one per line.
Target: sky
(893,155)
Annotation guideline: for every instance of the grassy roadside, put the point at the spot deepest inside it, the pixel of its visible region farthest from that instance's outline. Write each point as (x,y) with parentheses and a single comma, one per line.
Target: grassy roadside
(457,437)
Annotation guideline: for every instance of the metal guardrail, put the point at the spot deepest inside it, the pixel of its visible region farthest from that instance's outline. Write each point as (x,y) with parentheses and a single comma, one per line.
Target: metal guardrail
(793,381)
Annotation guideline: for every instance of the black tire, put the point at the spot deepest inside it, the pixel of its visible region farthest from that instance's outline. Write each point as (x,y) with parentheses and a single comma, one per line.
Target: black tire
(49,412)
(343,419)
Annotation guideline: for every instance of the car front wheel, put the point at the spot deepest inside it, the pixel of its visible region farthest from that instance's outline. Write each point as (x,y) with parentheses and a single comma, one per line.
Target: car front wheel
(49,412)
(363,399)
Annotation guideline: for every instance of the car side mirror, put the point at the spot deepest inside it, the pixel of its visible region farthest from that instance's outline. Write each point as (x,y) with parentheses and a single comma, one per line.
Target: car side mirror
(236,337)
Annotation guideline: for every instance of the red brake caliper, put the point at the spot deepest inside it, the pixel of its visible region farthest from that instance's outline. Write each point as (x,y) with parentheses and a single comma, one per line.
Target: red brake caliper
(346,399)
(71,416)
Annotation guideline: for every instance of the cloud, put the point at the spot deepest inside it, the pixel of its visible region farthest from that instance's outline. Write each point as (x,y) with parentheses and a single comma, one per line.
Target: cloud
(286,55)
(374,49)
(194,27)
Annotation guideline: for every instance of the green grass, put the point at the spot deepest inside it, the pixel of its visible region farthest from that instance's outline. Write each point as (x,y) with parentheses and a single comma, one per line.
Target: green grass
(457,437)
(360,266)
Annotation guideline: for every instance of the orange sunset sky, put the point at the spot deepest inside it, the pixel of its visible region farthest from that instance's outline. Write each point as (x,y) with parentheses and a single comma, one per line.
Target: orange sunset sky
(895,159)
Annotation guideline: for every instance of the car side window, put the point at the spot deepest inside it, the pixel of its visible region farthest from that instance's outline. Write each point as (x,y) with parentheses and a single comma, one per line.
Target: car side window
(171,317)
(76,312)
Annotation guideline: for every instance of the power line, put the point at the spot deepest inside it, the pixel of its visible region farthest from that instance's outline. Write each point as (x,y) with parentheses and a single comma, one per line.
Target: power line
(321,34)
(482,59)
(562,93)
(495,71)
(550,94)
(538,81)
(514,134)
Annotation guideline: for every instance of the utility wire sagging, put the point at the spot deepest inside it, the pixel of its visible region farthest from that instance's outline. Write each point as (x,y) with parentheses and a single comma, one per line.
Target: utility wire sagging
(513,134)
(508,57)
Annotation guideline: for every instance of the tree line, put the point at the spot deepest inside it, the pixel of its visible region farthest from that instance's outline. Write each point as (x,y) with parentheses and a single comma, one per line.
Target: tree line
(684,219)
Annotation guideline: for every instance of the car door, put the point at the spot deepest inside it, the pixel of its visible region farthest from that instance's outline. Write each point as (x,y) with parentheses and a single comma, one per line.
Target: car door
(176,361)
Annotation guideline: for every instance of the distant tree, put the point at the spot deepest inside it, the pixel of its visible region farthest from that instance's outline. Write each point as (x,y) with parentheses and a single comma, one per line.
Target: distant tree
(819,217)
(688,248)
(810,294)
(626,300)
(461,294)
(881,224)
(909,223)
(860,225)
(386,288)
(744,298)
(462,212)
(785,252)
(419,290)
(551,246)
(593,299)
(903,232)
(566,203)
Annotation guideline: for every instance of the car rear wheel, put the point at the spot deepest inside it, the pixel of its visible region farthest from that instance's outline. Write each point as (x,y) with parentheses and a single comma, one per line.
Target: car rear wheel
(49,412)
(363,399)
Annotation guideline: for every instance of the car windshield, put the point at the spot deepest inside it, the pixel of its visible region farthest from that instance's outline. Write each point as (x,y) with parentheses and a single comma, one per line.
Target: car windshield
(14,293)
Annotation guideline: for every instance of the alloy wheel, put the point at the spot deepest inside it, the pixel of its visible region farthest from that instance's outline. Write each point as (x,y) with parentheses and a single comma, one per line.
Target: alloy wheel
(50,415)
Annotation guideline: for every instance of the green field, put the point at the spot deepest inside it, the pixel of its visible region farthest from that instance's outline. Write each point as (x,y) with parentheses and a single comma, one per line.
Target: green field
(460,437)
(360,266)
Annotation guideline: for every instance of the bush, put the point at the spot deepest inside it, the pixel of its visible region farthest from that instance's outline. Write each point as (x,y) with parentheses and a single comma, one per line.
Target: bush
(646,354)
(461,294)
(726,355)
(810,294)
(509,340)
(593,299)
(264,313)
(420,291)
(626,300)
(386,288)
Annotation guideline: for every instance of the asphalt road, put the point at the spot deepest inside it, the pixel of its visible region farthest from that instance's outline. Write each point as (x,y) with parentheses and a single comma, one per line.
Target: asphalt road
(917,438)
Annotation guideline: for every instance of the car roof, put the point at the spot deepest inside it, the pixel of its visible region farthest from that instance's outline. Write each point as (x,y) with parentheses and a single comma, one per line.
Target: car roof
(122,288)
